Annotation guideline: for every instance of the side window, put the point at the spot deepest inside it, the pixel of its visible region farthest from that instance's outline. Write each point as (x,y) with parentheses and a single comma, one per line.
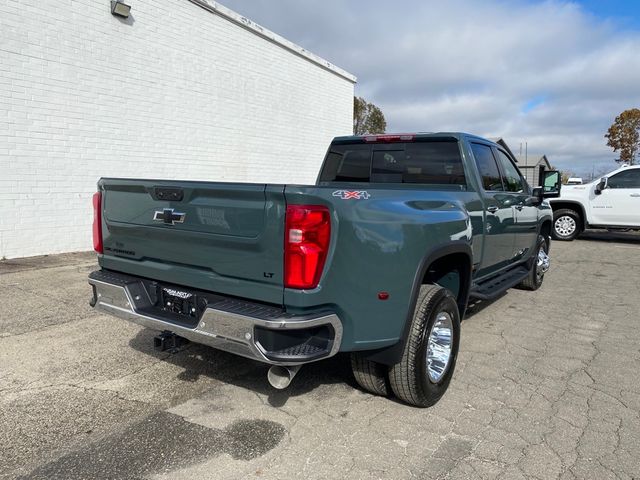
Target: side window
(625,179)
(513,181)
(487,167)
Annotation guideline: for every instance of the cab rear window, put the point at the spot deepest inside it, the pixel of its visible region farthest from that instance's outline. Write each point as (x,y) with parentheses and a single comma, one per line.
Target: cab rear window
(422,162)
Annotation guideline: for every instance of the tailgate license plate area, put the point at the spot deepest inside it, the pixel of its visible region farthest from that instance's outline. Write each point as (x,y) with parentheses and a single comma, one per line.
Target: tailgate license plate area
(179,302)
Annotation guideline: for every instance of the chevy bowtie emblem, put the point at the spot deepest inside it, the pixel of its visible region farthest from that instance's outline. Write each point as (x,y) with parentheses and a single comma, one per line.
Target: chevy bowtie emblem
(169,216)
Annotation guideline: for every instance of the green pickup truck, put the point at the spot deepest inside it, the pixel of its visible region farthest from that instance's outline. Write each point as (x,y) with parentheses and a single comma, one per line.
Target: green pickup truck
(379,259)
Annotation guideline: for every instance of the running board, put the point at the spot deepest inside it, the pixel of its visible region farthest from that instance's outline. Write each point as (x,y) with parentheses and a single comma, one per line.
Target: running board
(493,287)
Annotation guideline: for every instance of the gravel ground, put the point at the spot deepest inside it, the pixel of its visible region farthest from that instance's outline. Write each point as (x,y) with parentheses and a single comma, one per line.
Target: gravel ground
(547,386)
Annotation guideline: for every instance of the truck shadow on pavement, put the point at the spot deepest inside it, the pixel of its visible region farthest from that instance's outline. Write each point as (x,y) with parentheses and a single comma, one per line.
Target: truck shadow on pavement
(476,306)
(199,360)
(632,238)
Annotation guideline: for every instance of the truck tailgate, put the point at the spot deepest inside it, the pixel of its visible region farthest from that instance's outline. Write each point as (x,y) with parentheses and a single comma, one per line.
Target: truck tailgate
(222,237)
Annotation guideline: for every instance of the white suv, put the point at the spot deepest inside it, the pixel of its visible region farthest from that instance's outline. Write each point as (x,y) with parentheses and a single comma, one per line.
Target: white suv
(613,202)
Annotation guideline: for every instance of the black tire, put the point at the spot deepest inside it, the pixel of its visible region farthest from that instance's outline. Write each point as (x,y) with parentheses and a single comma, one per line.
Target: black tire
(536,276)
(371,376)
(410,379)
(567,224)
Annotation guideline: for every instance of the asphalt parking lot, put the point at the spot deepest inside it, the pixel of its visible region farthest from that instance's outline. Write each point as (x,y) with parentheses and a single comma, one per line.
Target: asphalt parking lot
(547,386)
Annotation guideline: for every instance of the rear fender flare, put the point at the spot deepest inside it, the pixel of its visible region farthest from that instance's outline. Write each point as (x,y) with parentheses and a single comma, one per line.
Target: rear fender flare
(392,355)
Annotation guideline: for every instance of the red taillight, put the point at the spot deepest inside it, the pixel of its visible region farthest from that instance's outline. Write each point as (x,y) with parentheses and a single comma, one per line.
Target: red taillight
(403,137)
(306,243)
(97,222)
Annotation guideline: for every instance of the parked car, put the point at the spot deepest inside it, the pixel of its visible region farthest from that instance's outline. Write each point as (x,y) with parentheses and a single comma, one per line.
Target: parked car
(612,202)
(378,259)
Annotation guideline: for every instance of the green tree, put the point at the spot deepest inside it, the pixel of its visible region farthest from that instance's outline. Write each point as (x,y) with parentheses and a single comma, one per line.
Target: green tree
(367,118)
(624,135)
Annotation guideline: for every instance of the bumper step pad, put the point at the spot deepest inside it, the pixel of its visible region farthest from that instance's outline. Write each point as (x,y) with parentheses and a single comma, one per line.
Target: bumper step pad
(262,332)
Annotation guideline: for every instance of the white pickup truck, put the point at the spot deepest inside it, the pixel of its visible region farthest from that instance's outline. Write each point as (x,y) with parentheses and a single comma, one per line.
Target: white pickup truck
(612,202)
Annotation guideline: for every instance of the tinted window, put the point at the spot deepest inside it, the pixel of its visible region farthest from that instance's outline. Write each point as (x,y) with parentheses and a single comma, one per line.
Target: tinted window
(487,167)
(347,163)
(432,162)
(625,179)
(435,163)
(512,179)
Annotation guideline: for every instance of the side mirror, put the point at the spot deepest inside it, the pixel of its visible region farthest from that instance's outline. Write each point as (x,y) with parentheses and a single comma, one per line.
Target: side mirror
(536,198)
(552,184)
(602,184)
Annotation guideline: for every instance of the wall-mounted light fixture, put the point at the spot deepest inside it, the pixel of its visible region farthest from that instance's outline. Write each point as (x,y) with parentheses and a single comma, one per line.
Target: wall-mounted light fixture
(120,9)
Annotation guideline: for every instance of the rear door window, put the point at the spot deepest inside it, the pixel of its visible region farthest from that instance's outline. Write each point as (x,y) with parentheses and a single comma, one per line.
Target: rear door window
(487,166)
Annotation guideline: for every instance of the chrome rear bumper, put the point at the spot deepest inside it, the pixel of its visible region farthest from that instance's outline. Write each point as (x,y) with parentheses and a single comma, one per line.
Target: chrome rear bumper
(218,327)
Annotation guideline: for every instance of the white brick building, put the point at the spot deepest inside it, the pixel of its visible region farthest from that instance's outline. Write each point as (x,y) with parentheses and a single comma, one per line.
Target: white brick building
(182,89)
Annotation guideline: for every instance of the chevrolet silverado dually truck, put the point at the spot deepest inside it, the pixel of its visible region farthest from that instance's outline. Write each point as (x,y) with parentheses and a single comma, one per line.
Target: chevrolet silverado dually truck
(378,259)
(612,202)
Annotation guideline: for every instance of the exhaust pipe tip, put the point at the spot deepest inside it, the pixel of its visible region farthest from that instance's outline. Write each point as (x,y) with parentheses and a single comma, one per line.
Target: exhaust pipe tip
(280,377)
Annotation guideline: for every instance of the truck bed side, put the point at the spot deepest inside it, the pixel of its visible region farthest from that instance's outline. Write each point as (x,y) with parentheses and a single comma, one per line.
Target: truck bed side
(379,243)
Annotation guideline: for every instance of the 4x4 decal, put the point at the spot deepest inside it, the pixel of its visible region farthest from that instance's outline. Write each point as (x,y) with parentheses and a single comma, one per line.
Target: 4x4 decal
(349,194)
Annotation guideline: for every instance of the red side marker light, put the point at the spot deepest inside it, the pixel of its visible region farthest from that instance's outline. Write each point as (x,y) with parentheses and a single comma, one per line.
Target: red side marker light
(383,295)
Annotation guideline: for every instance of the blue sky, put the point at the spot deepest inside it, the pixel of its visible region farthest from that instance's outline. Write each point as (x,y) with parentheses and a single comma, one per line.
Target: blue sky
(625,13)
(553,74)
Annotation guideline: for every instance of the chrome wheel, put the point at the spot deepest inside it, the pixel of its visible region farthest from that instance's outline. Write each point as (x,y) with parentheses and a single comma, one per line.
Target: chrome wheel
(543,264)
(565,226)
(439,347)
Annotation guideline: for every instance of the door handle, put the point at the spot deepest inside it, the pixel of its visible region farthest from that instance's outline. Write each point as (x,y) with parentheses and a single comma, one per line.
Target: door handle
(635,194)
(492,209)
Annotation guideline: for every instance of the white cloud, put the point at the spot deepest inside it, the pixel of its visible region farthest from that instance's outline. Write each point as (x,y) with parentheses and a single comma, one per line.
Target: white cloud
(547,73)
